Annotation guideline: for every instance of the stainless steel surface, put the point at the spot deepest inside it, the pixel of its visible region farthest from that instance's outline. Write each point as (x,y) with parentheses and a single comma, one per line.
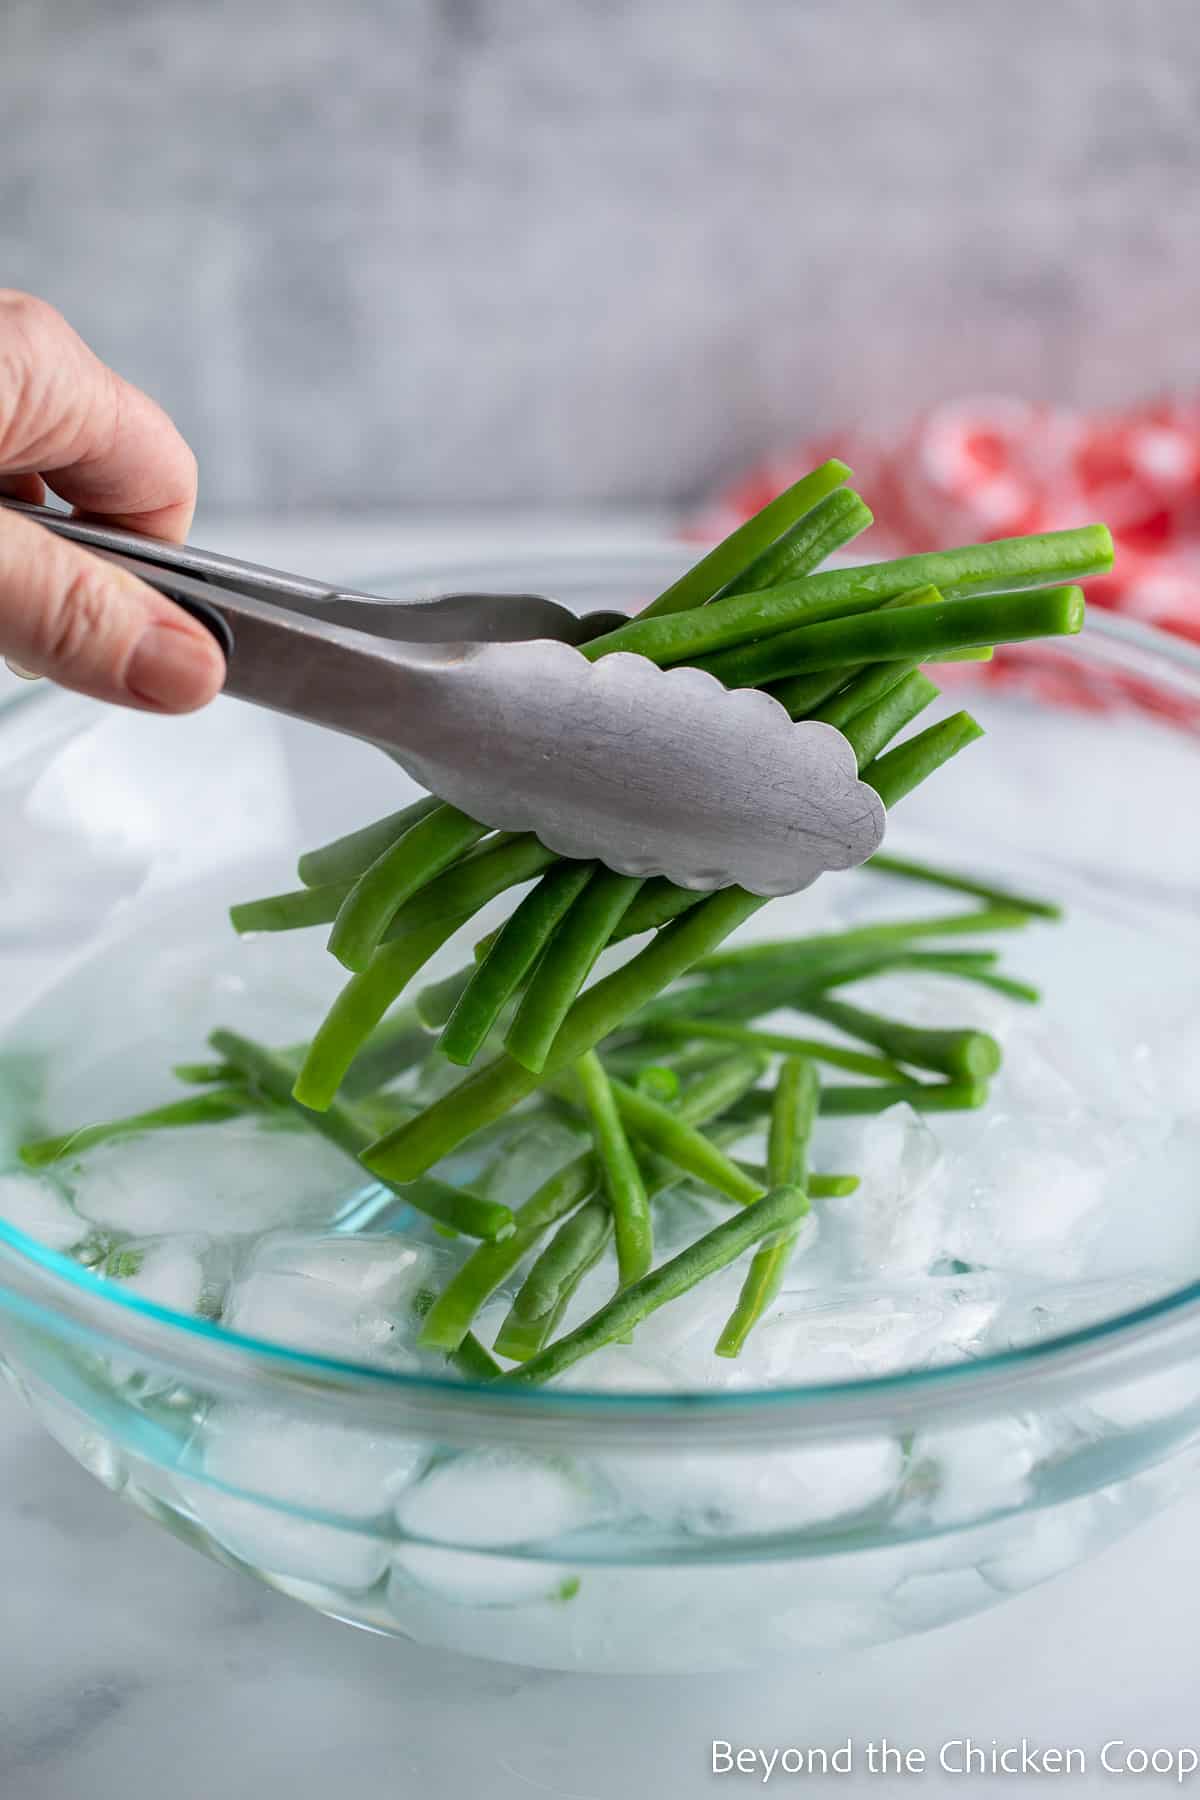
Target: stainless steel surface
(652,772)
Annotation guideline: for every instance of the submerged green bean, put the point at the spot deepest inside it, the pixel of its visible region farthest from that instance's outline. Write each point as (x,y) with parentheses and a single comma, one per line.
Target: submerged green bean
(622,1178)
(209,1108)
(451,1314)
(964,1055)
(906,869)
(618,1318)
(781,1042)
(793,1114)
(576,1247)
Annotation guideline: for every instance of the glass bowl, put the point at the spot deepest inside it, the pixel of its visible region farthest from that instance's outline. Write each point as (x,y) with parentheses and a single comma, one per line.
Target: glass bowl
(571,1527)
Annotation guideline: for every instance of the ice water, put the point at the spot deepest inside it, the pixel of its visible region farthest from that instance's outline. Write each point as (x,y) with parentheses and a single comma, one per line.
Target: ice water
(1068,1200)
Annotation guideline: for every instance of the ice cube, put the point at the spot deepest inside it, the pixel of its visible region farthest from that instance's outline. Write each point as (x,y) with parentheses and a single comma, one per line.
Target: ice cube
(812,1337)
(278,1461)
(528,1158)
(967,1471)
(1028,1195)
(335,1295)
(186,1272)
(714,1494)
(492,1500)
(37,1206)
(893,1222)
(1034,1313)
(242,1176)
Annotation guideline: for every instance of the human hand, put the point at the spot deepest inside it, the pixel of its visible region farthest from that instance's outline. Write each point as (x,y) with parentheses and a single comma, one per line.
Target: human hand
(104,446)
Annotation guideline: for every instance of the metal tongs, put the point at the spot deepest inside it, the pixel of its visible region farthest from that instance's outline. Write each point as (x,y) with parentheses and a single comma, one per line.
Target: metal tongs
(486,700)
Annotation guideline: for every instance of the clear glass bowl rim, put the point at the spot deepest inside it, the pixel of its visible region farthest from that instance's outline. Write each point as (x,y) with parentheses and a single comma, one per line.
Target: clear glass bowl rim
(52,1293)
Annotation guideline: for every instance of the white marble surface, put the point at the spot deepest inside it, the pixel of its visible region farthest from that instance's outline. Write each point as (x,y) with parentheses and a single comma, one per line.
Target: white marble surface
(130,1666)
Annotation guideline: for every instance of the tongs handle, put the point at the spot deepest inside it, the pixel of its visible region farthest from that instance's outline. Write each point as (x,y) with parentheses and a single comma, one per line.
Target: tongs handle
(232,574)
(309,668)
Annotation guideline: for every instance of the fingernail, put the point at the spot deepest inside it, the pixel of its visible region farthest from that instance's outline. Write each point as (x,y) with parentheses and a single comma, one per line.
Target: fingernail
(171,668)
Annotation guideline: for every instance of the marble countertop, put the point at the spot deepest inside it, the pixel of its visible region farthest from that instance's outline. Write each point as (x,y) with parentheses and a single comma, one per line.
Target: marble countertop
(130,1666)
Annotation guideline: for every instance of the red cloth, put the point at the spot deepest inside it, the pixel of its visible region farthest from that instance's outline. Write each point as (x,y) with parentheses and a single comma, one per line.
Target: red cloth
(993,467)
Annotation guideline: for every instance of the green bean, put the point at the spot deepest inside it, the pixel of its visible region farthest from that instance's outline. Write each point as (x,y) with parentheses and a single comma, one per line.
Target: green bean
(498,864)
(209,1108)
(566,963)
(627,1309)
(793,1114)
(410,864)
(622,1178)
(469,1357)
(204,1074)
(658,902)
(289,912)
(472,1360)
(485,1269)
(486,1094)
(873,682)
(830,526)
(820,1187)
(914,633)
(576,1247)
(359,1008)
(435,1003)
(271,1074)
(786,1043)
(807,696)
(884,933)
(872,729)
(741,547)
(663,1130)
(346,858)
(466,1213)
(897,772)
(922,1096)
(516,949)
(467,1290)
(908,870)
(960,1055)
(657,1082)
(396,1045)
(1002,566)
(967,966)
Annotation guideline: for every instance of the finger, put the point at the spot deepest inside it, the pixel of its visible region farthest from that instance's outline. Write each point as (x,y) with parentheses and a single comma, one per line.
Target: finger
(24,487)
(106,446)
(96,628)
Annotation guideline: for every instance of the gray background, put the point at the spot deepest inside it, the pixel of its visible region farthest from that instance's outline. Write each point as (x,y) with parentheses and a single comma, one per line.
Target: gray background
(417,254)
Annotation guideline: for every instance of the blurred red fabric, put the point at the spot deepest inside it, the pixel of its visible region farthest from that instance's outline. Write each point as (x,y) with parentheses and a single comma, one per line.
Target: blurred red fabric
(992,466)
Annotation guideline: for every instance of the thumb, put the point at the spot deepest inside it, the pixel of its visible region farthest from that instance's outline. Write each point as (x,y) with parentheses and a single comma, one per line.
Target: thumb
(96,628)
